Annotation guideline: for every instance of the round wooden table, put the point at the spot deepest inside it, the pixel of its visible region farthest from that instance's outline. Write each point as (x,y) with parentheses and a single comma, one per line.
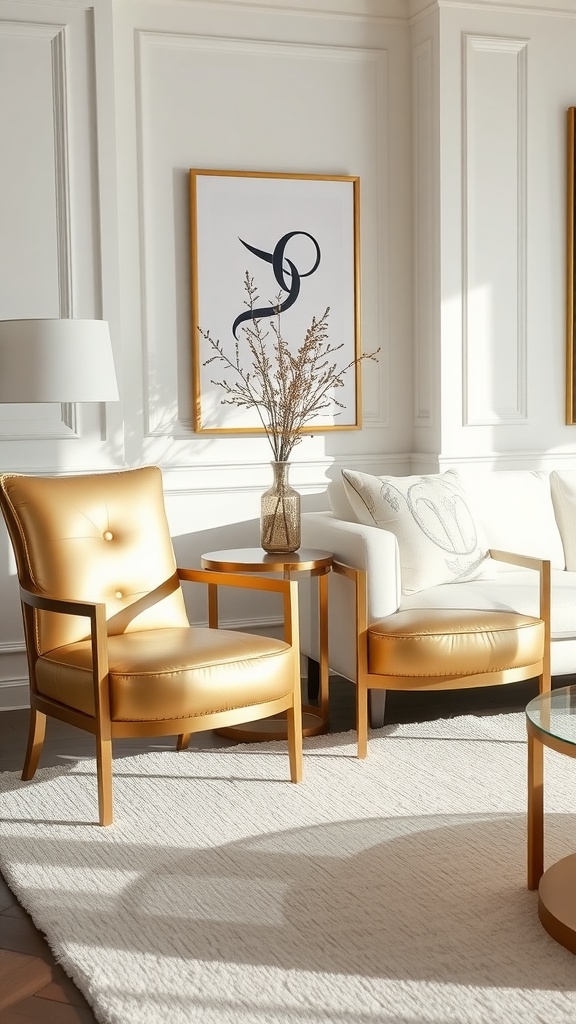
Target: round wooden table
(551,722)
(308,560)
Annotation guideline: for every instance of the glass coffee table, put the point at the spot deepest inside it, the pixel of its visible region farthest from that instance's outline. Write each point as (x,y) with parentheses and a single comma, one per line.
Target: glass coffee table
(551,722)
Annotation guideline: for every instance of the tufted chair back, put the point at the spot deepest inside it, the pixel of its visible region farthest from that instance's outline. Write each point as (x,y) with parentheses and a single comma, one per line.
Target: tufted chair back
(102,537)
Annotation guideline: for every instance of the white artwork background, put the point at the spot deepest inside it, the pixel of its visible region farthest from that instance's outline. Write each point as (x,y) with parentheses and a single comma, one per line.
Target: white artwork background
(260,211)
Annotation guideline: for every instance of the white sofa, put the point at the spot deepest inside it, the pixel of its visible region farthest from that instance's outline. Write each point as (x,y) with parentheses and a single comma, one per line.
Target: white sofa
(527,512)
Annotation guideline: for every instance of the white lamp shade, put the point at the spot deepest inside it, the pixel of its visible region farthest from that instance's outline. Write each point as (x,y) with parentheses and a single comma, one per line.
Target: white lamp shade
(56,361)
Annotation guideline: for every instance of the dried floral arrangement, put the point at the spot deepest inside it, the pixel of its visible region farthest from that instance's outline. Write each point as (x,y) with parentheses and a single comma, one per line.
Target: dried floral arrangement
(287,389)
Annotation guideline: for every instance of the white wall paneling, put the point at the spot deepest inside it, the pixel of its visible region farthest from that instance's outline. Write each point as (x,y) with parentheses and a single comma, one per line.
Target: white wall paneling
(425,243)
(305,87)
(34,128)
(426,236)
(37,205)
(506,79)
(50,258)
(452,115)
(495,229)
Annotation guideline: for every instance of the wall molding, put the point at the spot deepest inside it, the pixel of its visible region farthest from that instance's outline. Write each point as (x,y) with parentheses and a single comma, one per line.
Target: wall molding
(162,419)
(306,476)
(373,12)
(12,428)
(501,336)
(420,9)
(62,172)
(535,460)
(14,695)
(424,235)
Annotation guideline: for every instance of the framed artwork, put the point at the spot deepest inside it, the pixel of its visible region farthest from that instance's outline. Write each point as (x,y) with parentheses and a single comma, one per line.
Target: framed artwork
(296,237)
(570,281)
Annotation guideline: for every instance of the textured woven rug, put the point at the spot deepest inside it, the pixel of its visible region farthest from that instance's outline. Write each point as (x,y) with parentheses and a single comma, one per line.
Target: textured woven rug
(390,890)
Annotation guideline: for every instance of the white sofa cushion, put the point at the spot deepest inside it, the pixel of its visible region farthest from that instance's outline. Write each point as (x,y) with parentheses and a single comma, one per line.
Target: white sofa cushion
(514,509)
(563,486)
(437,536)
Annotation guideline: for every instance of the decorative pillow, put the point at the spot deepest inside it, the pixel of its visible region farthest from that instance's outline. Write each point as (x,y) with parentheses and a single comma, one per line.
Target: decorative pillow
(563,484)
(514,510)
(339,503)
(431,519)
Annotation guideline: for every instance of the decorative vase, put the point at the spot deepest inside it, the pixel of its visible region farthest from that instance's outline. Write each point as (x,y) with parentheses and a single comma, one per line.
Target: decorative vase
(280,513)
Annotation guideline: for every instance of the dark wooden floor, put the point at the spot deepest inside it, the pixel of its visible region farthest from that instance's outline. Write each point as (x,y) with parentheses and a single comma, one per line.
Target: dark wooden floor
(33,988)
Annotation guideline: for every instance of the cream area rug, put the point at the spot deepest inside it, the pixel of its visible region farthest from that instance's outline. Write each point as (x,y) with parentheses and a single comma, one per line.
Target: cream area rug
(385,891)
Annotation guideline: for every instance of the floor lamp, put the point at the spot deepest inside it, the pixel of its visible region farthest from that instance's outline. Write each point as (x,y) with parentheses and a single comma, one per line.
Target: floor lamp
(56,361)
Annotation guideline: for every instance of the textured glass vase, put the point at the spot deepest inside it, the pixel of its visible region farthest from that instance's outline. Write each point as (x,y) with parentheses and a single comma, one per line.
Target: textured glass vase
(280,513)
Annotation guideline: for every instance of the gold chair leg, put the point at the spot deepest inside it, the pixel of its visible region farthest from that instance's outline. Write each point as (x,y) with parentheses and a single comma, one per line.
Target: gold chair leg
(362,719)
(183,741)
(294,730)
(104,772)
(36,733)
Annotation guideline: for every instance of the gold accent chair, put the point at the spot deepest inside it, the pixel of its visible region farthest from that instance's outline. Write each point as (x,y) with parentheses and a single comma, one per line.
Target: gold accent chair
(448,648)
(97,547)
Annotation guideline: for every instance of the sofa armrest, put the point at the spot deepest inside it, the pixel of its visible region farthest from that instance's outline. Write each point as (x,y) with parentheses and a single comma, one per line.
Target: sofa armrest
(362,547)
(374,553)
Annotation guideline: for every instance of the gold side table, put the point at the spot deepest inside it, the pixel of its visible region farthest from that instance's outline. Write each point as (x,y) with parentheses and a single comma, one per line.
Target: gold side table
(316,563)
(551,722)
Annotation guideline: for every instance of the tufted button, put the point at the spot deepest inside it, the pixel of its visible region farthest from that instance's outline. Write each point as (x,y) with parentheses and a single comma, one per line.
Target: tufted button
(118,594)
(108,535)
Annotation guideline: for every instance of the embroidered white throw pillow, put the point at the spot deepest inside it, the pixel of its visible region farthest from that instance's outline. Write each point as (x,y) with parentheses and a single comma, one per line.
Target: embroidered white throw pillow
(563,484)
(430,516)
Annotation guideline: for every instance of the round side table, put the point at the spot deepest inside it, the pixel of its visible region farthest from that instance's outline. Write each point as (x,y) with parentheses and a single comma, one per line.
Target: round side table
(247,560)
(551,722)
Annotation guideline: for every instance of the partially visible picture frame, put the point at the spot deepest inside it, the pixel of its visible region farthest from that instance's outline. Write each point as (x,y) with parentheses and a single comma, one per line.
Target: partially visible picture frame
(297,237)
(570,270)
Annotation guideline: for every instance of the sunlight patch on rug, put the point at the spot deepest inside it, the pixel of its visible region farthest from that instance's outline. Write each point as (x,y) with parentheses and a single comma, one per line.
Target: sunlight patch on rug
(384,891)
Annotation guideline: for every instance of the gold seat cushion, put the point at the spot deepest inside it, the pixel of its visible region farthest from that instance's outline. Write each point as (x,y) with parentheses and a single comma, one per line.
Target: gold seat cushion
(425,642)
(169,673)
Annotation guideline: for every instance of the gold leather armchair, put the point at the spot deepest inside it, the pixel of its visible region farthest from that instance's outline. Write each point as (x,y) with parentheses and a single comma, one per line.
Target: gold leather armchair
(109,645)
(448,648)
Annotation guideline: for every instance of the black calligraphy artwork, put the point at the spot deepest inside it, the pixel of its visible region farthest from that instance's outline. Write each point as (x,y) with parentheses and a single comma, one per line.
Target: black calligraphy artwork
(286,273)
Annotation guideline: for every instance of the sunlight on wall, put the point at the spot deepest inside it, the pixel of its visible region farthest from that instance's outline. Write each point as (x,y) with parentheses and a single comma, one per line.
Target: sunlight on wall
(11,561)
(196,513)
(478,338)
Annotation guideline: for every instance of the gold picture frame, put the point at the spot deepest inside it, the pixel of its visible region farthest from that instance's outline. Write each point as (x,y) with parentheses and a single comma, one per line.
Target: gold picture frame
(570,265)
(295,235)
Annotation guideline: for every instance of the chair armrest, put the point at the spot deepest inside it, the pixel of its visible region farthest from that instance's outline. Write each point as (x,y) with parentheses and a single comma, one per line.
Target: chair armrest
(58,604)
(288,589)
(96,612)
(540,565)
(513,558)
(543,567)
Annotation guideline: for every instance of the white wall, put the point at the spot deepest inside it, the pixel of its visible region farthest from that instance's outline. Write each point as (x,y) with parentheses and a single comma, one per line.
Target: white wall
(492,86)
(454,119)
(105,107)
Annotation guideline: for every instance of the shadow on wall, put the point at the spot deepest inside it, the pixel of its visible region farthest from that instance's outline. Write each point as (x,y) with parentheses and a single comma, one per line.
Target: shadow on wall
(237,609)
(244,534)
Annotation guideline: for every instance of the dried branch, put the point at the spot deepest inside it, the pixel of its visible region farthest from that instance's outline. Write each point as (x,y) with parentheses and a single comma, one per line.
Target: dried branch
(290,389)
